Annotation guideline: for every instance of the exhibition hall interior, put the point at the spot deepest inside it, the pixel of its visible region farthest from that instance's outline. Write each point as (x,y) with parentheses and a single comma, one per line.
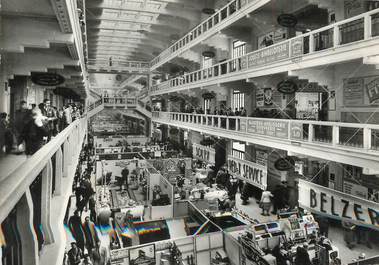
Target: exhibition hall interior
(189,132)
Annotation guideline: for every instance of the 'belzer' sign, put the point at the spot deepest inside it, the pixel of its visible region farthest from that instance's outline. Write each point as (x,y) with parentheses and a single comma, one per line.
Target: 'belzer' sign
(251,172)
(204,153)
(339,205)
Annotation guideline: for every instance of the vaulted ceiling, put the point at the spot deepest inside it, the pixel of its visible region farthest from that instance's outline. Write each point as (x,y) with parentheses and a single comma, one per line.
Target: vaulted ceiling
(138,29)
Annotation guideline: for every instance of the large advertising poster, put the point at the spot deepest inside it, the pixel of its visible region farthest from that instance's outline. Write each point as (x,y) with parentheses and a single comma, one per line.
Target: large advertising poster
(353,92)
(251,172)
(361,91)
(338,205)
(278,129)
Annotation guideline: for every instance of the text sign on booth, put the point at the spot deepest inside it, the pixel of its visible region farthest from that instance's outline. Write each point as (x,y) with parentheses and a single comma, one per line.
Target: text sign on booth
(250,172)
(339,205)
(269,55)
(277,129)
(204,153)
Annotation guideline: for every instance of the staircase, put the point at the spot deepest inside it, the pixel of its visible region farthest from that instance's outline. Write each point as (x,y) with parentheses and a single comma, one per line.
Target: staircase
(95,108)
(99,105)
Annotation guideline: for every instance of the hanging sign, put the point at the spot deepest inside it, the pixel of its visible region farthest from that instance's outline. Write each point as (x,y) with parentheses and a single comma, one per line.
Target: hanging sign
(287,87)
(250,172)
(204,153)
(208,11)
(339,205)
(285,163)
(287,20)
(209,54)
(47,79)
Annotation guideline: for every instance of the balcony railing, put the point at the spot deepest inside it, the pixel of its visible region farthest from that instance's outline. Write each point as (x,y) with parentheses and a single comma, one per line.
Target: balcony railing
(348,135)
(352,30)
(54,164)
(234,9)
(101,65)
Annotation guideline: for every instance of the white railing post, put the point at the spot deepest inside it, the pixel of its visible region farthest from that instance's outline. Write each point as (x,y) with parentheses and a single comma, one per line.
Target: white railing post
(58,172)
(310,133)
(311,43)
(46,194)
(336,135)
(336,36)
(367,144)
(227,122)
(367,26)
(66,157)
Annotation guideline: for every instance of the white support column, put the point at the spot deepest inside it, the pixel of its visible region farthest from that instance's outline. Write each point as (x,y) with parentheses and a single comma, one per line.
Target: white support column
(25,227)
(47,182)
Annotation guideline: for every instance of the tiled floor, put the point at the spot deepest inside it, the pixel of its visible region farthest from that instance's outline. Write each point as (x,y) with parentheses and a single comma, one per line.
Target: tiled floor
(335,233)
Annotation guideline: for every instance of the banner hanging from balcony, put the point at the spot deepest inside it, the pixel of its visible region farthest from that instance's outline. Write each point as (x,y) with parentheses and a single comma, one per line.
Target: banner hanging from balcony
(278,129)
(287,20)
(250,172)
(204,153)
(268,55)
(338,205)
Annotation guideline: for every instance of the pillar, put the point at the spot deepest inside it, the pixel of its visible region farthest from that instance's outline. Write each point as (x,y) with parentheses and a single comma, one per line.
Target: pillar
(47,177)
(26,230)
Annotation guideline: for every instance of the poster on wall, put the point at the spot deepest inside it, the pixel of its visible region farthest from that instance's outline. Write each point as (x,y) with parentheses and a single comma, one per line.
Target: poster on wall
(261,157)
(336,204)
(260,97)
(353,8)
(267,96)
(361,91)
(355,189)
(272,37)
(373,90)
(142,255)
(353,93)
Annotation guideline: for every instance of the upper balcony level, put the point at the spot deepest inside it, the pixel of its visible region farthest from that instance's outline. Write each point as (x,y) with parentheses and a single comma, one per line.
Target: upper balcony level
(106,66)
(350,143)
(119,103)
(346,40)
(230,13)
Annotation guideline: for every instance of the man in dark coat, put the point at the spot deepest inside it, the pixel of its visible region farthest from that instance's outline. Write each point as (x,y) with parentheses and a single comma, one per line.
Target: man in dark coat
(124,174)
(75,225)
(75,254)
(92,239)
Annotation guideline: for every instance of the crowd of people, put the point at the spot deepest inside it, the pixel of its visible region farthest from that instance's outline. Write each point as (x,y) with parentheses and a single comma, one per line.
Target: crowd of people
(32,127)
(86,247)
